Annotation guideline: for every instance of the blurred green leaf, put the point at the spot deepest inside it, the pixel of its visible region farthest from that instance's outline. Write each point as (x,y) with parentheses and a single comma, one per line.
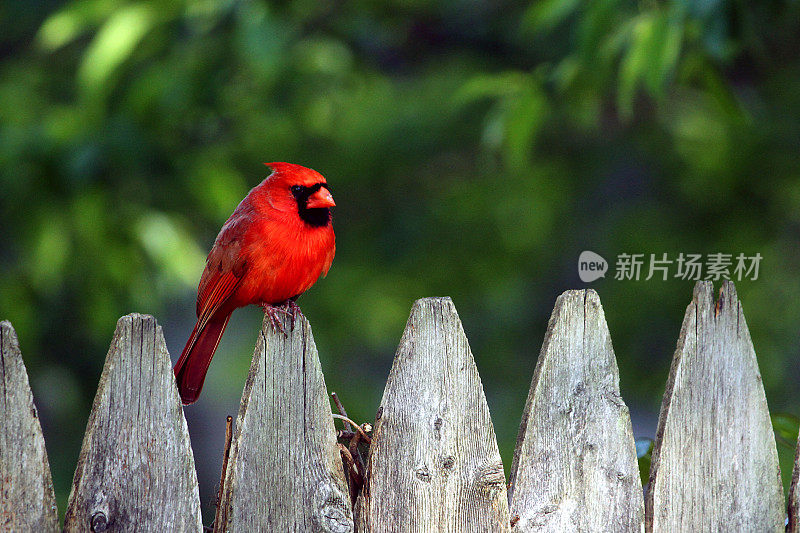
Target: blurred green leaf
(524,118)
(52,247)
(545,14)
(72,21)
(171,247)
(786,426)
(636,60)
(506,84)
(114,43)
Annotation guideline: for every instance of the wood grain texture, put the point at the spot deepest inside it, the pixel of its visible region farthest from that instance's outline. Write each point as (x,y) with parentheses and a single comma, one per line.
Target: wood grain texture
(284,470)
(575,466)
(794,494)
(715,465)
(136,470)
(434,464)
(27,501)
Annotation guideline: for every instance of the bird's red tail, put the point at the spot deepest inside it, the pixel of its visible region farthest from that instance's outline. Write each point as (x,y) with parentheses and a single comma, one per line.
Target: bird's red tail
(190,370)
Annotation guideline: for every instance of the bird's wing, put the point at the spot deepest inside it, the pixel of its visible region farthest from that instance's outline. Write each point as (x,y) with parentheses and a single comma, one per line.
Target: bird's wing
(225,268)
(218,288)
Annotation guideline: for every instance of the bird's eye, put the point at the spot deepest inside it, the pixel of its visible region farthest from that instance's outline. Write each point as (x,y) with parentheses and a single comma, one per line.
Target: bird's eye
(296,189)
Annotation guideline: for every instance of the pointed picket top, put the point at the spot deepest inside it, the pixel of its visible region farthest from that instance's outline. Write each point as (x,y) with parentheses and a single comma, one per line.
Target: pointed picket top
(434,464)
(27,501)
(794,494)
(714,465)
(284,470)
(136,469)
(575,463)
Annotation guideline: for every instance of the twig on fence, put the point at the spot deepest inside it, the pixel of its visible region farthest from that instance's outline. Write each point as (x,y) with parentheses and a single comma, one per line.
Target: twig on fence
(347,456)
(342,412)
(356,475)
(228,437)
(355,479)
(354,451)
(344,434)
(352,436)
(353,447)
(362,430)
(351,455)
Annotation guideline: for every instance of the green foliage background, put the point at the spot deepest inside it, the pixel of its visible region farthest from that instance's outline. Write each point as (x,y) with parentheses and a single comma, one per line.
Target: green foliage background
(474,149)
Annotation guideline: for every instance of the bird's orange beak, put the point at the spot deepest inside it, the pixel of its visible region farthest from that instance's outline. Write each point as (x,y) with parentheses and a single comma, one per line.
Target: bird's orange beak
(321,198)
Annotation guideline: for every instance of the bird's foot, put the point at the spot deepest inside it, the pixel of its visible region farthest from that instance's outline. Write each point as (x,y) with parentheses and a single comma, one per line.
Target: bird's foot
(288,308)
(293,310)
(273,312)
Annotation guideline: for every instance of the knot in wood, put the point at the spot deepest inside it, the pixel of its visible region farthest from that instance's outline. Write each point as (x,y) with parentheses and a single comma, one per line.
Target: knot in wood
(99,521)
(423,474)
(447,462)
(490,480)
(335,520)
(613,397)
(332,512)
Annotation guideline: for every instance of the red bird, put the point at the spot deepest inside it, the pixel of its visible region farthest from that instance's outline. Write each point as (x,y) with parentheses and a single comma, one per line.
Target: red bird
(273,248)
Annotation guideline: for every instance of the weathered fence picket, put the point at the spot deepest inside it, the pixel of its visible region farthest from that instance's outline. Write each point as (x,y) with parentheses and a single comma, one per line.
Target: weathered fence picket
(136,469)
(714,465)
(433,463)
(27,501)
(575,466)
(794,494)
(284,471)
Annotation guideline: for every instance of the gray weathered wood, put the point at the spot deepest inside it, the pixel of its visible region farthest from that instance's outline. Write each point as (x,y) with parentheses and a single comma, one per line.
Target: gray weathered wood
(27,501)
(136,469)
(715,465)
(794,494)
(575,466)
(434,463)
(284,470)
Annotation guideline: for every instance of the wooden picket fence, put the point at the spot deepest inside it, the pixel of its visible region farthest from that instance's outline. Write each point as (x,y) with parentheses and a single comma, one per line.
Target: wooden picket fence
(433,463)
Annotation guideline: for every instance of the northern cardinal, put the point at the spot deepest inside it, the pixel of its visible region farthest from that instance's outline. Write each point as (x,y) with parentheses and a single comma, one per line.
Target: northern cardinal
(274,247)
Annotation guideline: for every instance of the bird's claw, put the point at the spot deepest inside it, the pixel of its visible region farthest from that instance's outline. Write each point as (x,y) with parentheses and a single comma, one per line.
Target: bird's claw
(273,312)
(293,310)
(288,308)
